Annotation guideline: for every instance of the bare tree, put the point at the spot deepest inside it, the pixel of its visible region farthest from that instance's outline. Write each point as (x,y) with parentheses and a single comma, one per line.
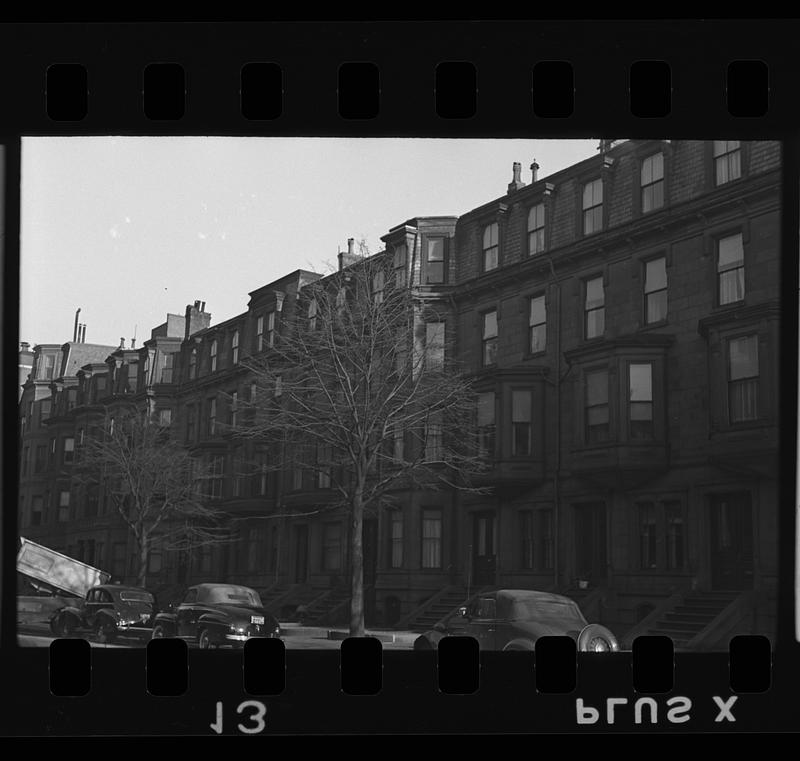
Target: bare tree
(360,398)
(156,486)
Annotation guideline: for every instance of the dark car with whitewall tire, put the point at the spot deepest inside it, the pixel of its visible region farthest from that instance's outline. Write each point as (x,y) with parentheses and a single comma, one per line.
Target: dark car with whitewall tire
(513,619)
(108,612)
(217,615)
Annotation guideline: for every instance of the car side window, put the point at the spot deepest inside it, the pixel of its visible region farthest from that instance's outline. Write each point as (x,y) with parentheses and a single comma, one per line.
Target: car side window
(105,596)
(486,608)
(91,596)
(191,596)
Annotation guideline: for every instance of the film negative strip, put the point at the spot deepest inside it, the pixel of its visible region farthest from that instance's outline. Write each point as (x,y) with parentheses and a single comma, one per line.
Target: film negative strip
(569,506)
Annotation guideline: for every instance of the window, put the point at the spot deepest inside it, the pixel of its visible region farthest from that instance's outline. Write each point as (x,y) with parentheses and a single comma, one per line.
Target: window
(166,369)
(727,161)
(400,264)
(486,423)
(270,329)
(434,261)
(193,364)
(47,367)
(69,450)
(490,247)
(341,299)
(213,356)
(312,314)
(537,324)
(597,412)
(100,384)
(378,281)
(111,426)
(743,379)
(234,408)
(431,538)
(520,423)
(41,458)
(489,340)
(594,308)
(433,437)
(235,347)
(154,562)
(92,501)
(592,207)
(396,539)
(647,535)
(26,454)
(262,474)
(72,396)
(212,416)
(641,401)
(215,473)
(37,511)
(655,290)
(165,417)
(673,513)
(118,552)
(274,549)
(398,443)
(63,506)
(331,546)
(730,269)
(536,229)
(652,182)
(191,423)
(324,456)
(536,534)
(260,333)
(434,346)
(237,476)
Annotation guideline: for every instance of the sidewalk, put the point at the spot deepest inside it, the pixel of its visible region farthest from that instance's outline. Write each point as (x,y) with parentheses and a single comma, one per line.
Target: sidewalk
(322,632)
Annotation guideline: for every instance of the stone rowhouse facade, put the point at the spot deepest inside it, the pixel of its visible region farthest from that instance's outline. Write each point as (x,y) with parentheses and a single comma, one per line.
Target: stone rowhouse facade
(620,318)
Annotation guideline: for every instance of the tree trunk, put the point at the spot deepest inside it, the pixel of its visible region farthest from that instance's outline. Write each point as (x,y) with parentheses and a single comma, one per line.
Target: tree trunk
(144,551)
(357,567)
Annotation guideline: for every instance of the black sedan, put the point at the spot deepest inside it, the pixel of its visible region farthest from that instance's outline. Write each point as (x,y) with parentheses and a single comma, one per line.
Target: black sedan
(108,611)
(217,615)
(513,619)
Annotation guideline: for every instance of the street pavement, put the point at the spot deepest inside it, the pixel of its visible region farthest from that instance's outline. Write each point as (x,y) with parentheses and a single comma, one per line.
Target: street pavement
(295,637)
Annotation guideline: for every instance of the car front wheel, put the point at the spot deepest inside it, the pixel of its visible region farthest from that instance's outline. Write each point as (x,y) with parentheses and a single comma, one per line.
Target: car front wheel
(62,627)
(158,632)
(205,641)
(105,631)
(597,639)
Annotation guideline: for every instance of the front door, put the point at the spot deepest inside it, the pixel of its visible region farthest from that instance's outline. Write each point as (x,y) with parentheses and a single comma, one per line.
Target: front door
(731,534)
(301,554)
(590,542)
(484,548)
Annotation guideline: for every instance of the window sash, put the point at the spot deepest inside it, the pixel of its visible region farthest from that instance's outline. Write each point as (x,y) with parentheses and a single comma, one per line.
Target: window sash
(675,532)
(648,531)
(396,540)
(434,261)
(537,325)
(536,229)
(431,539)
(434,346)
(743,358)
(727,161)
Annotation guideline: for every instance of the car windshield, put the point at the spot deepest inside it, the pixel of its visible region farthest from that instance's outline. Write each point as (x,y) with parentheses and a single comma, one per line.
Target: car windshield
(548,611)
(231,595)
(136,597)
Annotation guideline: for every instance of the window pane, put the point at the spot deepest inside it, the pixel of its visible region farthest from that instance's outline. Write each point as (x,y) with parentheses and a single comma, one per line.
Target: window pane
(592,194)
(597,415)
(743,357)
(731,286)
(486,408)
(490,235)
(595,295)
(597,387)
(435,249)
(536,241)
(520,406)
(731,252)
(490,259)
(657,306)
(674,520)
(641,387)
(538,338)
(537,310)
(536,217)
(655,275)
(595,323)
(641,411)
(490,324)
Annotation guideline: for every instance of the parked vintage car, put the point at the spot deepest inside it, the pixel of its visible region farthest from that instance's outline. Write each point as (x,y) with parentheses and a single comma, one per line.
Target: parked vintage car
(217,615)
(513,619)
(108,611)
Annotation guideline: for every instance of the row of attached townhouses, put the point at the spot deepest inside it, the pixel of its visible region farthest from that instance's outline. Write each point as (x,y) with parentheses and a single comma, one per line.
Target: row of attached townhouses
(621,321)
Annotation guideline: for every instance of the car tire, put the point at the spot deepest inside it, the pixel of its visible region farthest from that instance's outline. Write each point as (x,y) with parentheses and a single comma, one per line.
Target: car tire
(63,627)
(159,632)
(204,641)
(422,643)
(105,632)
(596,638)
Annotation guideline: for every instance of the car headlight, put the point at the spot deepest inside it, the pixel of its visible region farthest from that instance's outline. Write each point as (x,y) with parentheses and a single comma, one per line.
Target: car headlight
(237,629)
(277,631)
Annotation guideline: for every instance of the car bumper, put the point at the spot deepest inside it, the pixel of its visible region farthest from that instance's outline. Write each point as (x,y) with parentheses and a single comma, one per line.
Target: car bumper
(245,637)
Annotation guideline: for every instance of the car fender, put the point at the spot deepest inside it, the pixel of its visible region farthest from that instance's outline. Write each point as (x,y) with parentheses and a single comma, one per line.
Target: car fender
(520,643)
(214,621)
(168,620)
(69,610)
(107,613)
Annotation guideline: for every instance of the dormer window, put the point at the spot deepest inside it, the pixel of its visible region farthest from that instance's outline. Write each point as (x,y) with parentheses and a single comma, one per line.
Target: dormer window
(399,263)
(491,247)
(213,356)
(235,347)
(536,229)
(593,207)
(193,364)
(652,182)
(727,161)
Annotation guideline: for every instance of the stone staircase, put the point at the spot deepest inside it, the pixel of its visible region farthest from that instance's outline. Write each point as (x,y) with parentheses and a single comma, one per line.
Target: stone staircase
(326,608)
(434,609)
(687,618)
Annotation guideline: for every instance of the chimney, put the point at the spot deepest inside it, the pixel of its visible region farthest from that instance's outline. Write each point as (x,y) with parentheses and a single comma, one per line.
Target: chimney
(534,171)
(83,333)
(133,343)
(350,256)
(196,318)
(517,182)
(75,330)
(24,346)
(121,343)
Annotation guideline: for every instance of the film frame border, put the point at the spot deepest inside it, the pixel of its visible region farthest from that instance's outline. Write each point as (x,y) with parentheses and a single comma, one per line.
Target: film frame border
(601,53)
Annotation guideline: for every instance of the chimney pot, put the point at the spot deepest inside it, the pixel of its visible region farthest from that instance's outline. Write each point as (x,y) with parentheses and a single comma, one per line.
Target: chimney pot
(516,183)
(534,170)
(350,244)
(203,306)
(197,305)
(24,345)
(121,343)
(133,343)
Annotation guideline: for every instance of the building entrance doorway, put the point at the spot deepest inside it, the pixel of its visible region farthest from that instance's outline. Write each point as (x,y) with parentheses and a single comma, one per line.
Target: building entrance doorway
(731,538)
(484,548)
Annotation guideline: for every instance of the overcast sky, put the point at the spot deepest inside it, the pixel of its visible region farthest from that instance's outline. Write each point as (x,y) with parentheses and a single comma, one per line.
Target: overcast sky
(129,229)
